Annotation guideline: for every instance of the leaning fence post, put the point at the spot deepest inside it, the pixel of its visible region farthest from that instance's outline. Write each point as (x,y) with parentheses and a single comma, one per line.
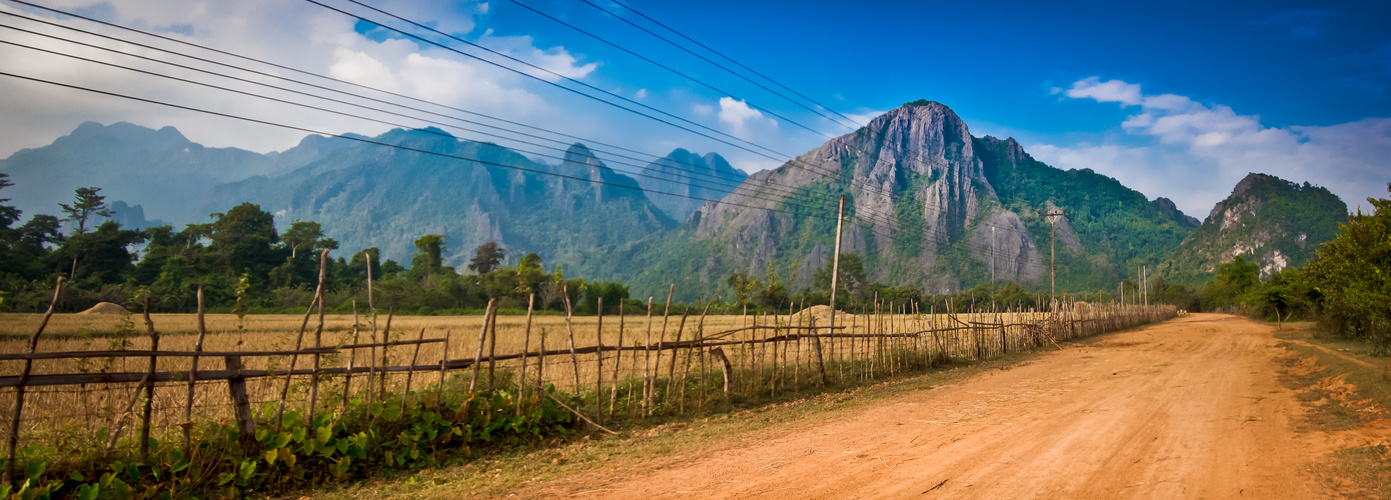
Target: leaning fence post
(617,360)
(444,358)
(318,336)
(386,338)
(23,380)
(526,349)
(241,403)
(574,357)
(149,385)
(478,355)
(299,341)
(192,376)
(410,370)
(599,363)
(352,361)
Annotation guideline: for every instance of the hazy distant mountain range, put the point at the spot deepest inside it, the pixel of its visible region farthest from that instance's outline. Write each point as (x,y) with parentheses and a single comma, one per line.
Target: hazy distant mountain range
(930,205)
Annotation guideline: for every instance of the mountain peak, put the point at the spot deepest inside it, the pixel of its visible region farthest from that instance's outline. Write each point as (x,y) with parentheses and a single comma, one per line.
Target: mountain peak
(1251,179)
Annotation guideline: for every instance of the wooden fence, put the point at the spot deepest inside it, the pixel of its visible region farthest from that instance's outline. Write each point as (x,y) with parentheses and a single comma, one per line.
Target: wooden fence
(682,369)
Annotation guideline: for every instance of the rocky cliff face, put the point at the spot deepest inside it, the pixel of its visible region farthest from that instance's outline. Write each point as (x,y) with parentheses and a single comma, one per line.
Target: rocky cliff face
(367,195)
(928,205)
(1271,221)
(694,176)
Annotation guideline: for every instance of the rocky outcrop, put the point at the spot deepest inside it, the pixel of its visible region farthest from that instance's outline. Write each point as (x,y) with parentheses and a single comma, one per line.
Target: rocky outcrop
(1272,222)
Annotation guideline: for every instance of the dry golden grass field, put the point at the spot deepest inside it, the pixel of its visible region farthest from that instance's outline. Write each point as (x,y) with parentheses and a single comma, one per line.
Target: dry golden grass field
(57,413)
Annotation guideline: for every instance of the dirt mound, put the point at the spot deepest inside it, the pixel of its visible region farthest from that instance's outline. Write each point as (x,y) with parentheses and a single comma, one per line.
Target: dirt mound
(106,308)
(822,315)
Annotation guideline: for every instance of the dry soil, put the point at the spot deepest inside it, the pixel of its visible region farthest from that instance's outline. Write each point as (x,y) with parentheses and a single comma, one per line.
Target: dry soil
(1191,408)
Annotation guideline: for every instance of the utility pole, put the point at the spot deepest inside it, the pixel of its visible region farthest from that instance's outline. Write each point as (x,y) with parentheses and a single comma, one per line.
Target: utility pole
(835,264)
(1053,258)
(992,255)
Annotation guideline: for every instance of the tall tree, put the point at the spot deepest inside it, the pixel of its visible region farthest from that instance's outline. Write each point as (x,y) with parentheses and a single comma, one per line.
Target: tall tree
(85,204)
(429,254)
(242,239)
(8,213)
(103,253)
(488,257)
(307,235)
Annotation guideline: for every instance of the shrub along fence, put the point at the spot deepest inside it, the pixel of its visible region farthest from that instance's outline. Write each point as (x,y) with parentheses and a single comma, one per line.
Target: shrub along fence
(325,412)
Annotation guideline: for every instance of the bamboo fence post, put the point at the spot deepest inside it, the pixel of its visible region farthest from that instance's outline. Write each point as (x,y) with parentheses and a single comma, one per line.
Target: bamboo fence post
(599,363)
(891,343)
(797,351)
(574,358)
(657,366)
(285,390)
(771,339)
(444,358)
(875,329)
(23,381)
(744,323)
(492,353)
(386,337)
(241,404)
(410,370)
(633,371)
(646,364)
(352,362)
(149,385)
(617,359)
(192,377)
(372,310)
(700,339)
(686,365)
(671,371)
(478,355)
(540,367)
(318,336)
(526,350)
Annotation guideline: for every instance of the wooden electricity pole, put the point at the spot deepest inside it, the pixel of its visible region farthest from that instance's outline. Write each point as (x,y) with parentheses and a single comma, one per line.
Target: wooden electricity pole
(1053,258)
(835,265)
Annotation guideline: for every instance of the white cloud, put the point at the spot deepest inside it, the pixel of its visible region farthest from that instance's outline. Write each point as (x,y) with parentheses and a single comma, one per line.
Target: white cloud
(1108,91)
(738,115)
(641,94)
(296,34)
(1197,152)
(702,109)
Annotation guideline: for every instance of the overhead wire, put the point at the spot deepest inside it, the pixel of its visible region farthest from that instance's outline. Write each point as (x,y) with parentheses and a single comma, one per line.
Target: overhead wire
(452,37)
(658,192)
(727,58)
(890,221)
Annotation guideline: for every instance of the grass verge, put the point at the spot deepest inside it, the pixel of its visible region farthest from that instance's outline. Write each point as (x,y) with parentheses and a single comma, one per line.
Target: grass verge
(508,471)
(1344,388)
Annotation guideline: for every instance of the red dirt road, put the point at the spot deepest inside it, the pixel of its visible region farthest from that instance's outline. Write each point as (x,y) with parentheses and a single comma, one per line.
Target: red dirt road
(1191,408)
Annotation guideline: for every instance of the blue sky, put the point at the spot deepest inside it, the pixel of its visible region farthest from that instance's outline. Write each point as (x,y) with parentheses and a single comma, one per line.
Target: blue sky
(1174,99)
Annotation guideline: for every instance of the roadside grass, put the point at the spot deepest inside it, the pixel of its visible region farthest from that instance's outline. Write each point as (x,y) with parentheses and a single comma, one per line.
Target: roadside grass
(508,471)
(1333,405)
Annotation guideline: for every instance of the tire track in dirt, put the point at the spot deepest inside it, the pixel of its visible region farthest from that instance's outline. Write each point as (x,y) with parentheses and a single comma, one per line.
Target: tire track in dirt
(1189,408)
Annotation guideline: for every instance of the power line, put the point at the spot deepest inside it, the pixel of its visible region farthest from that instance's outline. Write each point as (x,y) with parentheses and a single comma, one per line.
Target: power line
(452,37)
(718,65)
(396,146)
(674,70)
(889,223)
(727,58)
(713,174)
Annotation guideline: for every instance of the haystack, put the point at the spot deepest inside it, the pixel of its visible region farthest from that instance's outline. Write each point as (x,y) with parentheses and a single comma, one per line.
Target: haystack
(106,308)
(822,315)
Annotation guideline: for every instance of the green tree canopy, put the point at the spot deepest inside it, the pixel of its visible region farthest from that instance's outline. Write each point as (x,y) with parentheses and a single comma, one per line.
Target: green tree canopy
(85,204)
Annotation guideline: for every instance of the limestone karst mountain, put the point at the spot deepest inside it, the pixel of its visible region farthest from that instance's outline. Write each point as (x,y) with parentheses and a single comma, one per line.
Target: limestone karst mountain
(1272,222)
(929,205)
